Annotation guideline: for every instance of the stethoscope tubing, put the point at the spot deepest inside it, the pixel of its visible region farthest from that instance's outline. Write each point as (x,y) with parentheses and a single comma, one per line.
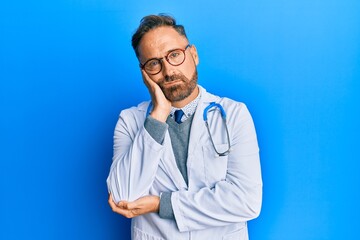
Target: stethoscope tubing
(223,116)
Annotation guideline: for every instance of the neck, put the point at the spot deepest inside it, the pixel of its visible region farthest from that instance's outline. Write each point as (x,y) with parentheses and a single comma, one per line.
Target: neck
(186,101)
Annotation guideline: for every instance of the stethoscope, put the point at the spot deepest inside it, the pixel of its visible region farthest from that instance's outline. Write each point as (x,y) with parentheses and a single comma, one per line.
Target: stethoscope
(206,110)
(223,116)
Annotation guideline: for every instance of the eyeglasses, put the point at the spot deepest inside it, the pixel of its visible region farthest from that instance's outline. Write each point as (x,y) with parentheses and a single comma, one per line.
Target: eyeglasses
(175,57)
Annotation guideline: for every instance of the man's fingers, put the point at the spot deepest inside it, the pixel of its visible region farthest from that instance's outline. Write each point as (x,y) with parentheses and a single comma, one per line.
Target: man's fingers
(125,212)
(112,203)
(148,82)
(123,204)
(120,208)
(143,205)
(132,205)
(128,213)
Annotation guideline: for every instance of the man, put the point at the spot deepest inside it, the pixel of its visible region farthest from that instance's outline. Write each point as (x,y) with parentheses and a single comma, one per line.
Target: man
(176,176)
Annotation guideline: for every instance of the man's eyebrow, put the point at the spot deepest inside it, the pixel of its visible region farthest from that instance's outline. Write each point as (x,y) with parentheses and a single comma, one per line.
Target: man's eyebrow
(173,50)
(168,51)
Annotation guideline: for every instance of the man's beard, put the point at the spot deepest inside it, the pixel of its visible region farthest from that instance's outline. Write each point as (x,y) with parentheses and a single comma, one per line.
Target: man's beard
(181,90)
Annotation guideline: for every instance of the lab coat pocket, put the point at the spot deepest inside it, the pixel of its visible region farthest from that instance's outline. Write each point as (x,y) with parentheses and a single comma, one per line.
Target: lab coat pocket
(215,165)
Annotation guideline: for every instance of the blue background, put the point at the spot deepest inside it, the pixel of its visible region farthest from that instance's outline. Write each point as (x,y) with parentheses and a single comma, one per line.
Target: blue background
(67,69)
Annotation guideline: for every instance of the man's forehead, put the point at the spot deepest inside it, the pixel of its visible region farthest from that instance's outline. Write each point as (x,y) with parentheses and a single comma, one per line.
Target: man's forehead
(160,40)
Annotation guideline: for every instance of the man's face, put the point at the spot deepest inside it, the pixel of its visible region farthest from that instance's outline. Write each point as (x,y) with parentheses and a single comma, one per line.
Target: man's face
(176,82)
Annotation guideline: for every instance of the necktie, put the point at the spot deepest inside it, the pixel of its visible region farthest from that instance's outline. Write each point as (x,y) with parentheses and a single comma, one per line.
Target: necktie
(178,115)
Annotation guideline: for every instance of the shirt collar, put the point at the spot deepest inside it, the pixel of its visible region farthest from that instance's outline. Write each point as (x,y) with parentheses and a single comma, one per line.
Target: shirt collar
(188,110)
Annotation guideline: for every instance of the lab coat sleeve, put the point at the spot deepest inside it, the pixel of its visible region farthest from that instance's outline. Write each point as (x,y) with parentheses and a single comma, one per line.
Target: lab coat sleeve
(135,159)
(235,199)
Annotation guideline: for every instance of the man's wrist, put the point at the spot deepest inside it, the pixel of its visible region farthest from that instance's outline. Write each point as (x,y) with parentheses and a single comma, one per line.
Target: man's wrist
(160,116)
(156,129)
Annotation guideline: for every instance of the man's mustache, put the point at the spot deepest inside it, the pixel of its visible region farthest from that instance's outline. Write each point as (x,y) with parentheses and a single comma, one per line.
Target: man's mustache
(172,78)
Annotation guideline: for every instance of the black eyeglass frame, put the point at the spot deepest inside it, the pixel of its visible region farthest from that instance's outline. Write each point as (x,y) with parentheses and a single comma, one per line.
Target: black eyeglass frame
(142,66)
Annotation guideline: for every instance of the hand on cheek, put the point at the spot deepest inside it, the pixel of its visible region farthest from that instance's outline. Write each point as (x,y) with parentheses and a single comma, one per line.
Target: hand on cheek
(161,105)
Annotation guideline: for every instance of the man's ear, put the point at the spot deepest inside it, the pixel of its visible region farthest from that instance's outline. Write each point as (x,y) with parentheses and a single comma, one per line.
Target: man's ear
(194,54)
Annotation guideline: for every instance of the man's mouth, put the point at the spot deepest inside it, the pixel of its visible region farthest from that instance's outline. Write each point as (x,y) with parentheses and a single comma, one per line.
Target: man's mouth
(173,82)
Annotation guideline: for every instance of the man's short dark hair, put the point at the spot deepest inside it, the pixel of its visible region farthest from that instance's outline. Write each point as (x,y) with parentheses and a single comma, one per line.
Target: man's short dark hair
(152,22)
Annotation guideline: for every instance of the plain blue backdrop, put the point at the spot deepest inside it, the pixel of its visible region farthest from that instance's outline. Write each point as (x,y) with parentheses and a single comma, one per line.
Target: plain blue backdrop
(67,69)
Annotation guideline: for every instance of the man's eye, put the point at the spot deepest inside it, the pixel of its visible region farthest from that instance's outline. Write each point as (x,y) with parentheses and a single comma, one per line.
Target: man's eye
(174,54)
(153,63)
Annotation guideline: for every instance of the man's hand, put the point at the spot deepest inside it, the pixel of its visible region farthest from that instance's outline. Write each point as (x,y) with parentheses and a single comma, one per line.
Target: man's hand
(161,105)
(143,205)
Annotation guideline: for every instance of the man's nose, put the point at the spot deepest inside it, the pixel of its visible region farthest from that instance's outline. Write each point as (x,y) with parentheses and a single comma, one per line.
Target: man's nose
(167,68)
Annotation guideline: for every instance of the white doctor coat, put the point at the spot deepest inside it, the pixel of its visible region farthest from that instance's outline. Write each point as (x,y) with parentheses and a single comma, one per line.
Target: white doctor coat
(222,194)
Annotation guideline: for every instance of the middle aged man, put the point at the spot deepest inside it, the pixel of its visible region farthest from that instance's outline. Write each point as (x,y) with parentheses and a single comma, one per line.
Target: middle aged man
(175,175)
